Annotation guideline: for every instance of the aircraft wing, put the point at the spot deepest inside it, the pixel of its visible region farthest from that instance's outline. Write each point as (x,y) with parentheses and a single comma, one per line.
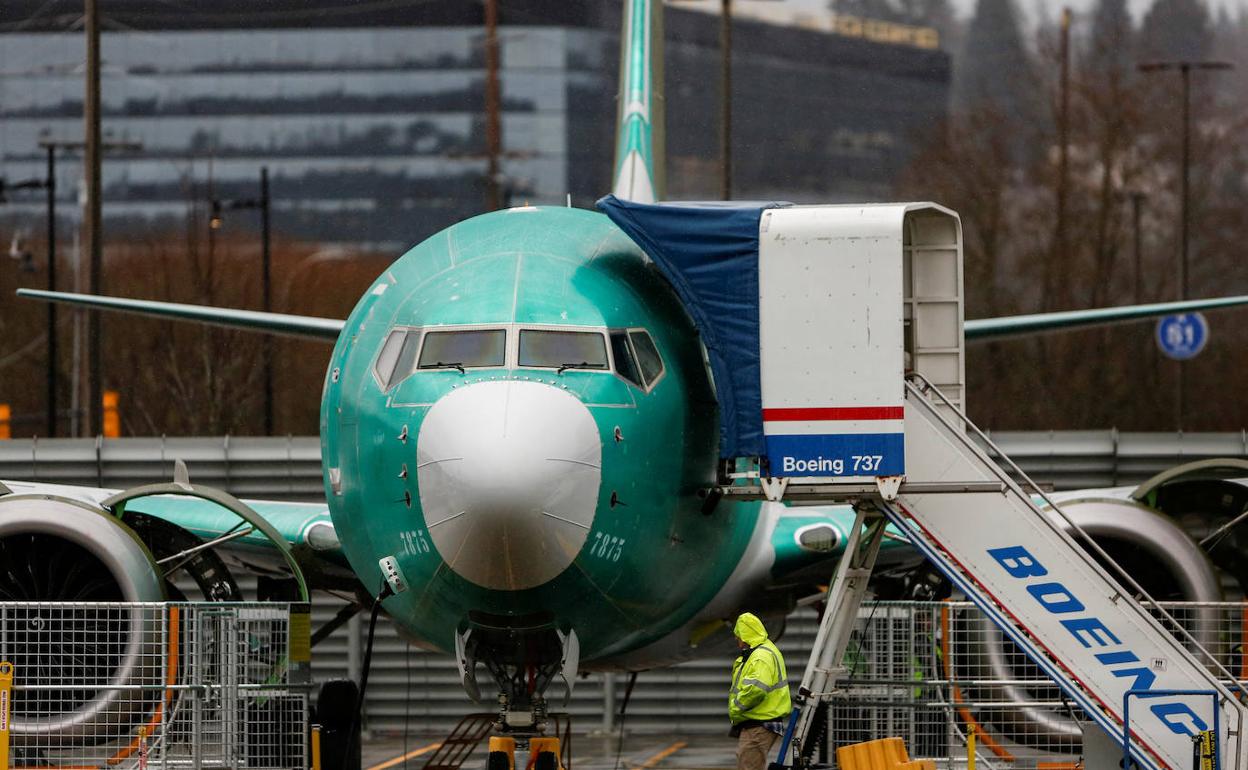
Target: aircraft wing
(328,329)
(989,329)
(306,528)
(324,329)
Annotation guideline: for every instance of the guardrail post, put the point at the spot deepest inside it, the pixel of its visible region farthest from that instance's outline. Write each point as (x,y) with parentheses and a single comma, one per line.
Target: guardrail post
(316,747)
(6,706)
(970,747)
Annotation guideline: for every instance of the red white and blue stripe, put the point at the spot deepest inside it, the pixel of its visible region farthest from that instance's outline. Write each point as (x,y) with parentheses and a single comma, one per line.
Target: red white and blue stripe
(831,441)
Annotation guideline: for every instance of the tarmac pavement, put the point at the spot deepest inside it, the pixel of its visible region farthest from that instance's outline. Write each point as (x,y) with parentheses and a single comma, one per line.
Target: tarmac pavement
(638,752)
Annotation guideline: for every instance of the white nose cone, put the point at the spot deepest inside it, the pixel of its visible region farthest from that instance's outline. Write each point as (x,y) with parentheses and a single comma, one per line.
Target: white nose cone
(509,475)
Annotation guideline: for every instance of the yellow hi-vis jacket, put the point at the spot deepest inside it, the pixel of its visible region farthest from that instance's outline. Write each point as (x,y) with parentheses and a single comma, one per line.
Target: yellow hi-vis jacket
(760,683)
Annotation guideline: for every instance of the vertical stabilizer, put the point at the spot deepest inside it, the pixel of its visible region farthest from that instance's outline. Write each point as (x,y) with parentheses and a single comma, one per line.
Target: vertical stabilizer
(639,130)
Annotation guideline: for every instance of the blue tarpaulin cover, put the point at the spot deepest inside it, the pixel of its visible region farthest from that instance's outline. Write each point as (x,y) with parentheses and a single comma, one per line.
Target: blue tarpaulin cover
(709,253)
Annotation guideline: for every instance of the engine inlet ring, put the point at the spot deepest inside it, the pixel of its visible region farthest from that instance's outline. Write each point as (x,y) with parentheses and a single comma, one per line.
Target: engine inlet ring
(47,519)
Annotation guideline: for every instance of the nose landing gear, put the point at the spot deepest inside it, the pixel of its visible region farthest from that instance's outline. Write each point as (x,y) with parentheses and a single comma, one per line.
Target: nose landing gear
(523,655)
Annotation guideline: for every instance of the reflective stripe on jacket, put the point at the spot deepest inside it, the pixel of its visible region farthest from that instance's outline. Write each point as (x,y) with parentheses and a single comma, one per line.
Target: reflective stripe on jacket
(760,684)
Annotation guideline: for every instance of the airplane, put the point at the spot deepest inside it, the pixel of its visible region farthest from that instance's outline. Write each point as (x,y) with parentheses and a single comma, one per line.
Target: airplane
(516,423)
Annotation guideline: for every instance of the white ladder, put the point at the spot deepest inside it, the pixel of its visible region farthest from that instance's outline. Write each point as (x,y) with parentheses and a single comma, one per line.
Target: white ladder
(845,593)
(1047,594)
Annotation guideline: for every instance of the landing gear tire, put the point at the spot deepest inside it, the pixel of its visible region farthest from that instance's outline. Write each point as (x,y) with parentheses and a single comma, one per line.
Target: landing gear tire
(340,733)
(498,761)
(502,753)
(546,761)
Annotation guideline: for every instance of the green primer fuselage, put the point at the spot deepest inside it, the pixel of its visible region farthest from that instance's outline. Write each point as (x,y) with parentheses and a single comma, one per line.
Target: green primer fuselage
(557,266)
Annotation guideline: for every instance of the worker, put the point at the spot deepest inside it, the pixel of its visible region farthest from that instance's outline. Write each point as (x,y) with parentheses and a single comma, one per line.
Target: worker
(759,701)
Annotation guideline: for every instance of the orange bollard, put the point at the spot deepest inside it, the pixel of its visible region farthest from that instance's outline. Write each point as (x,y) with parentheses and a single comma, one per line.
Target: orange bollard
(6,430)
(112,418)
(316,747)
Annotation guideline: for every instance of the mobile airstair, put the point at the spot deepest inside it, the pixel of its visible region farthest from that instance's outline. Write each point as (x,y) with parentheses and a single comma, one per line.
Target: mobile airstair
(854,392)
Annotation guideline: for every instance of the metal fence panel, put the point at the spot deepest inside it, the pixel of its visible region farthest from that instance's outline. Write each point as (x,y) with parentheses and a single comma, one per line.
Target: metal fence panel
(930,671)
(154,685)
(219,692)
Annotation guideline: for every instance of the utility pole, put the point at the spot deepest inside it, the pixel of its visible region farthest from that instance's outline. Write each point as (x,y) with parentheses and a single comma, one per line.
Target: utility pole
(53,358)
(1063,163)
(1137,201)
(493,120)
(266,288)
(263,204)
(1184,68)
(91,218)
(51,147)
(725,99)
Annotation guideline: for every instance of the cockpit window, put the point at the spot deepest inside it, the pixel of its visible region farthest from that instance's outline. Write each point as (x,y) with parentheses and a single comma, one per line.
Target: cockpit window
(407,359)
(562,349)
(625,363)
(464,348)
(648,358)
(384,369)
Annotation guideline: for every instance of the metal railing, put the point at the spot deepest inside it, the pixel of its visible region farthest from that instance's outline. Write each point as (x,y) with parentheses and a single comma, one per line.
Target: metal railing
(929,672)
(289,468)
(156,684)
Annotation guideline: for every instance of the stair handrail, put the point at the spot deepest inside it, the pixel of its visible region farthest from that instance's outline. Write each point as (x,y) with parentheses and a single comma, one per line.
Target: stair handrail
(1129,581)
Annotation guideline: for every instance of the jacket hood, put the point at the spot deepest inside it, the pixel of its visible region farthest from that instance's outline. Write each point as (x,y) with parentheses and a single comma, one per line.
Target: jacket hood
(750,630)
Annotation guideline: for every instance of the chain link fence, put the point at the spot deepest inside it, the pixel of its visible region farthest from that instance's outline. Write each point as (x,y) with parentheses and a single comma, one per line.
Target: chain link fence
(931,671)
(225,685)
(157,685)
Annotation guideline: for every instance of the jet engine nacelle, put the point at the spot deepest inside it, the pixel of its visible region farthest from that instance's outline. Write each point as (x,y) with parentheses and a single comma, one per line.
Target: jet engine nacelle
(57,549)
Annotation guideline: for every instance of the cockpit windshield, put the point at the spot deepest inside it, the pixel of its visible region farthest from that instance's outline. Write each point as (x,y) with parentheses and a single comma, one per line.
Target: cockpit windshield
(625,363)
(387,359)
(648,357)
(563,349)
(628,353)
(464,348)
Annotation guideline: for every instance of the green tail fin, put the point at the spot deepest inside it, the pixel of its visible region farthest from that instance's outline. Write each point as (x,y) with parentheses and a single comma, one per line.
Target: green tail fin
(639,127)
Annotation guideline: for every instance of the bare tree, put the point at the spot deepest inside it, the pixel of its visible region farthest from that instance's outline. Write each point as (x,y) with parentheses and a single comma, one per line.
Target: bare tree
(1121,141)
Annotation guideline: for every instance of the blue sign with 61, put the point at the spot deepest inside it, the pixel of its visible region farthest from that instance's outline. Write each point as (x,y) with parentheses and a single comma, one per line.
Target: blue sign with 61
(1182,336)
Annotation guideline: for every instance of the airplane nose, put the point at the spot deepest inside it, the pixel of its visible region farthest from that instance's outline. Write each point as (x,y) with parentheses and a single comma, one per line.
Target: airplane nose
(509,473)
